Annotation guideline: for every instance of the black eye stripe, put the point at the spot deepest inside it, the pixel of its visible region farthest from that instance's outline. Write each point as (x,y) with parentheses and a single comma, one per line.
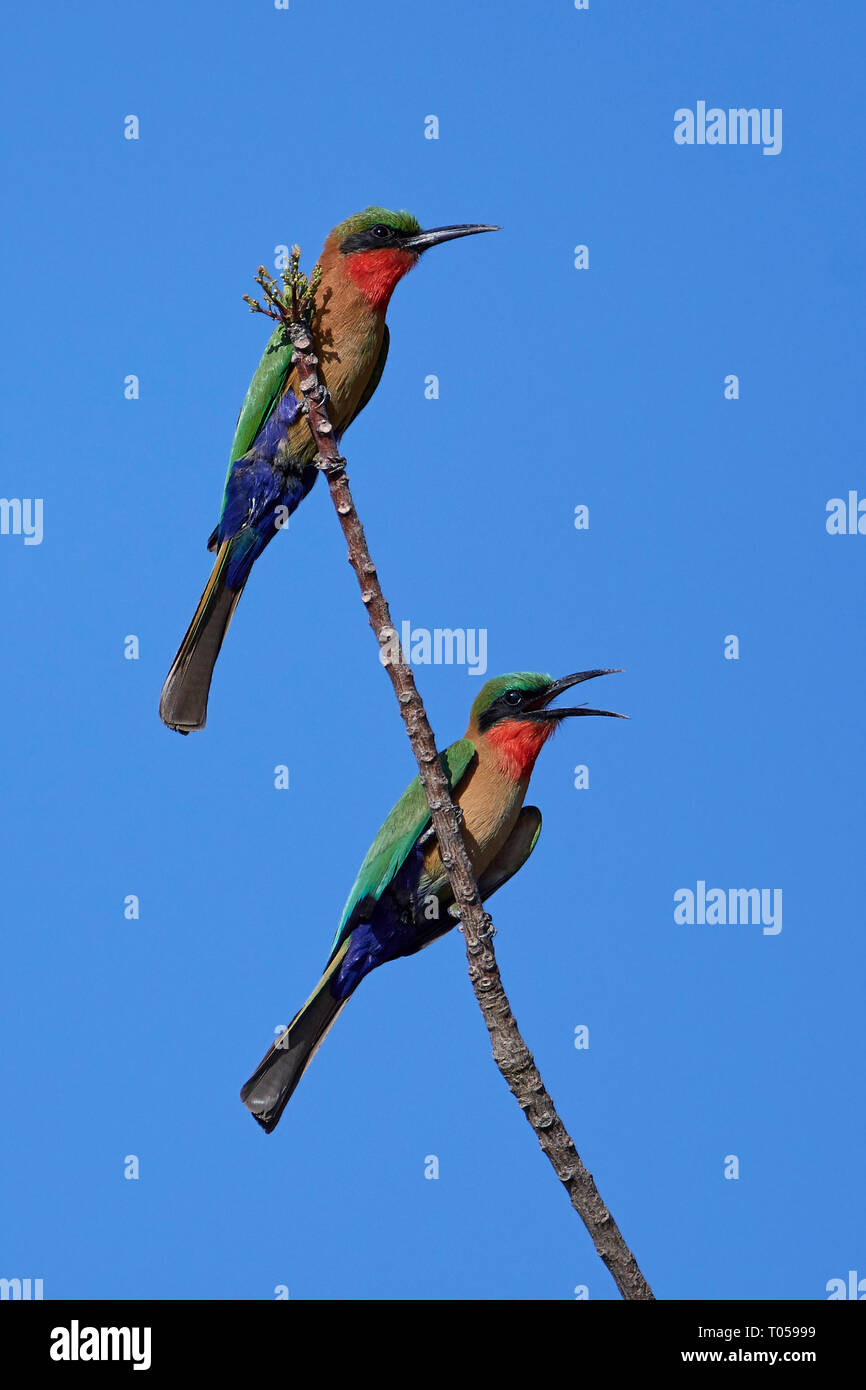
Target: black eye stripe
(379,235)
(511,704)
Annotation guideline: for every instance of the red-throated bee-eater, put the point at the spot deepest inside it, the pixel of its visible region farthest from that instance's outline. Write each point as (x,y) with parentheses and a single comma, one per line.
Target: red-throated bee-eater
(271,467)
(400,899)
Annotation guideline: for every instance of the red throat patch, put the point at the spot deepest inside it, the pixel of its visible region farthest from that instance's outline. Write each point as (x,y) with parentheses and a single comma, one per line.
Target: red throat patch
(518,743)
(375,273)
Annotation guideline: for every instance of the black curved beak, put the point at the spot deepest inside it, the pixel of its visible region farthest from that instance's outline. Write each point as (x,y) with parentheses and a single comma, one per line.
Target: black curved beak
(565,683)
(421,241)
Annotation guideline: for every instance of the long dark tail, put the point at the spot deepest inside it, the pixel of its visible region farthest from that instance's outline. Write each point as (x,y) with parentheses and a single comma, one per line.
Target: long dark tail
(183,703)
(268,1090)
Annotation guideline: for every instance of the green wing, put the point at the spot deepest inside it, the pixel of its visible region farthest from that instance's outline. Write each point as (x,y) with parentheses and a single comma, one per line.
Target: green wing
(268,385)
(264,391)
(408,819)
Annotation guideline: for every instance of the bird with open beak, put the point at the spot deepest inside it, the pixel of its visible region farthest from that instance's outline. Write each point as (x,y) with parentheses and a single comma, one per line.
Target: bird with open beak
(401,898)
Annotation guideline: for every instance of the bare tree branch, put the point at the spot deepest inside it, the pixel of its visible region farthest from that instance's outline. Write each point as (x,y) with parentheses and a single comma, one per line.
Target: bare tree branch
(512,1056)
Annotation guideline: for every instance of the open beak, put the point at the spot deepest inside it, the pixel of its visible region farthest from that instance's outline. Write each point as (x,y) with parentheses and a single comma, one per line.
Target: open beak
(543,712)
(422,240)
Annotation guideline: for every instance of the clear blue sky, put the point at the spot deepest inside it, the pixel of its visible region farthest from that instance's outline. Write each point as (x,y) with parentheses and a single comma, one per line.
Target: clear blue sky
(558,387)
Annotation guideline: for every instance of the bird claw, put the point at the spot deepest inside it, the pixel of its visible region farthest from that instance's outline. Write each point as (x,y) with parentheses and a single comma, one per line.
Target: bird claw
(319,396)
(329,465)
(454,911)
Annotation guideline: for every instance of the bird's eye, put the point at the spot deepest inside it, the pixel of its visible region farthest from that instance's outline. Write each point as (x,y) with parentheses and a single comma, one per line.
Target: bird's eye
(513,697)
(381,231)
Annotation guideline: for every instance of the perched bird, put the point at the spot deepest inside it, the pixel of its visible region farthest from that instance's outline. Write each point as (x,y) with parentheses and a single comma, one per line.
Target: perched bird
(400,899)
(271,465)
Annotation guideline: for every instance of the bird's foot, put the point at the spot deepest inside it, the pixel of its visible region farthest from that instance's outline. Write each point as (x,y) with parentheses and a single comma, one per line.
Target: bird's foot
(330,465)
(318,396)
(487,935)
